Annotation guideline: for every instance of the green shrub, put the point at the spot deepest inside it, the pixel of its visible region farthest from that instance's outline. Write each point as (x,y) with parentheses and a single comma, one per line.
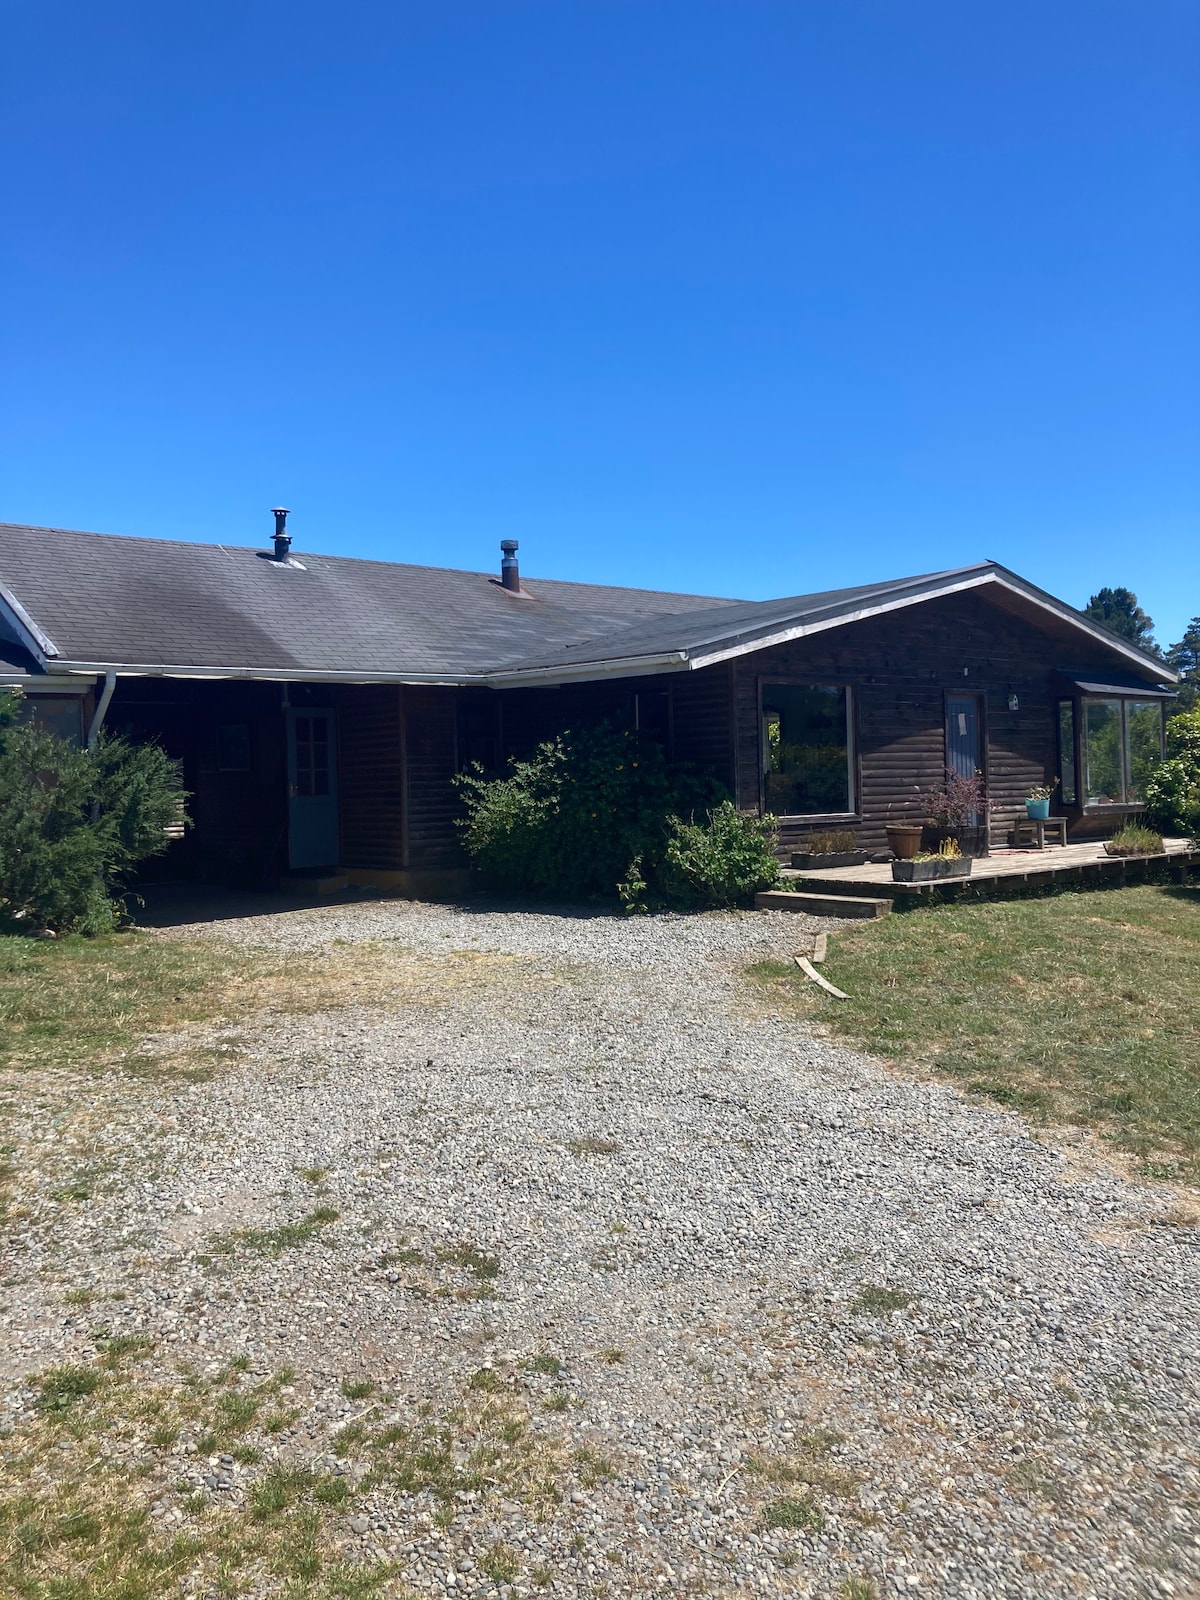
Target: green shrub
(597,813)
(74,822)
(1173,789)
(722,861)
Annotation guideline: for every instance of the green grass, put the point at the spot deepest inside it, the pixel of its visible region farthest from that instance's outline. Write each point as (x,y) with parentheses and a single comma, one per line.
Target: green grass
(1082,1007)
(795,1515)
(288,1236)
(74,1002)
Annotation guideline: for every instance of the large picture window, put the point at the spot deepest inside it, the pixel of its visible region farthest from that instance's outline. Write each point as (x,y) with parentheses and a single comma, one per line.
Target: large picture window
(1122,744)
(806,751)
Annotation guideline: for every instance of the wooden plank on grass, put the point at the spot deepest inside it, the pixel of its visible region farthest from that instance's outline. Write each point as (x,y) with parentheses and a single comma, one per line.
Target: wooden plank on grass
(809,971)
(820,945)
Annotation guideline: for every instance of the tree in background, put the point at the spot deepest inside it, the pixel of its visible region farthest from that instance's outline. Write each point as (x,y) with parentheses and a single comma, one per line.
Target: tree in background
(1173,792)
(1185,658)
(1119,611)
(75,822)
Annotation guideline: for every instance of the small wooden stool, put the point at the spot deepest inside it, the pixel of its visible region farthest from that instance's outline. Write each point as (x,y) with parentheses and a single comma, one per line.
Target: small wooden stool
(1035,830)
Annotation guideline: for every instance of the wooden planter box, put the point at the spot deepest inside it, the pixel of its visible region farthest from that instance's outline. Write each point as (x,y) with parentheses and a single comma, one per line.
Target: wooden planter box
(1133,855)
(810,859)
(929,871)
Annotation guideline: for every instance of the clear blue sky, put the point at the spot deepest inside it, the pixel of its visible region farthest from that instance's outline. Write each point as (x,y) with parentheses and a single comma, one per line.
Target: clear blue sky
(748,298)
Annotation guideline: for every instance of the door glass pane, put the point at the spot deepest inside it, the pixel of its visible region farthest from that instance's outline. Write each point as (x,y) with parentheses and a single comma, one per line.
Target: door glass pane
(1103,752)
(1144,735)
(1066,752)
(806,769)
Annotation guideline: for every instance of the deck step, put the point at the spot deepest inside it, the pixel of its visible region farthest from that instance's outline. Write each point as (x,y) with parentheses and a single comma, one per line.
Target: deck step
(824,905)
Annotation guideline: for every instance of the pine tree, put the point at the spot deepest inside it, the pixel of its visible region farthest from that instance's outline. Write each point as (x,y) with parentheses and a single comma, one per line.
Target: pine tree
(1119,611)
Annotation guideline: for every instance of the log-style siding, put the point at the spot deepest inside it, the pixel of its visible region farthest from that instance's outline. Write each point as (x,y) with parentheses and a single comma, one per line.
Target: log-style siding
(371,776)
(431,802)
(901,666)
(702,719)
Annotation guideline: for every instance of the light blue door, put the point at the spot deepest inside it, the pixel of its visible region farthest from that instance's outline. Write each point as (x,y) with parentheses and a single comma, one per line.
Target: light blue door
(312,790)
(964,749)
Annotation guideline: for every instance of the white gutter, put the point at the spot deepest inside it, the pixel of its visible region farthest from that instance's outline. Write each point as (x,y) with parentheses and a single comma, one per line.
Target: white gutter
(106,694)
(630,666)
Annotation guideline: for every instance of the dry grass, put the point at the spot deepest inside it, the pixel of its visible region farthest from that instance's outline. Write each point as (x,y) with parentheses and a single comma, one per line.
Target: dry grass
(1081,1008)
(122,1514)
(86,1003)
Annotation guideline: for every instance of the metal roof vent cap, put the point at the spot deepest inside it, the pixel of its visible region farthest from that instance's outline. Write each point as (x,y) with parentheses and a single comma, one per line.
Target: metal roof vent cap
(510,573)
(283,539)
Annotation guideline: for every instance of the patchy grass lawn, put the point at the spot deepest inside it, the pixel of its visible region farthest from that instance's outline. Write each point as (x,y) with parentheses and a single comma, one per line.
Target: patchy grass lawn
(1081,1008)
(75,1002)
(113,1485)
(89,1002)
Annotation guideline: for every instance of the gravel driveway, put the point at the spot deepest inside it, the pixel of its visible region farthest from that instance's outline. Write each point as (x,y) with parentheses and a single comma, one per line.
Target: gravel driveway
(737,1275)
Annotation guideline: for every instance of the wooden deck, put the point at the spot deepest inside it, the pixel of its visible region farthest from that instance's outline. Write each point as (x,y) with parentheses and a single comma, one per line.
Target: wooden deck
(1001,872)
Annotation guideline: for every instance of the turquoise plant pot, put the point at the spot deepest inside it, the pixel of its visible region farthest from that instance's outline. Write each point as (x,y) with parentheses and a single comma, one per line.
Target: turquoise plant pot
(1037,809)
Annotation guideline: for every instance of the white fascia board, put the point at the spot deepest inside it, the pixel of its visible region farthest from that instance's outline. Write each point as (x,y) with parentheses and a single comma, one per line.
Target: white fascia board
(135,669)
(587,671)
(630,667)
(26,629)
(30,683)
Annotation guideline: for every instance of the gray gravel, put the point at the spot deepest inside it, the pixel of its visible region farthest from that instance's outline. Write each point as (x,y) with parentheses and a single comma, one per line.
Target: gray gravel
(744,1244)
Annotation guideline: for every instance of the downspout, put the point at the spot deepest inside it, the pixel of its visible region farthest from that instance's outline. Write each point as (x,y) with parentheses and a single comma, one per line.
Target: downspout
(106,694)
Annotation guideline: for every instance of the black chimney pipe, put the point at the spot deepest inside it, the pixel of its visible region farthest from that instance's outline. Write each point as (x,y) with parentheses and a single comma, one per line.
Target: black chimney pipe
(283,539)
(510,574)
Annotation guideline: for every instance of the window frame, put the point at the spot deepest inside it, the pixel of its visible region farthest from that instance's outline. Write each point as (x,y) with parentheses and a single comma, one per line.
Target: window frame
(1079,704)
(854,814)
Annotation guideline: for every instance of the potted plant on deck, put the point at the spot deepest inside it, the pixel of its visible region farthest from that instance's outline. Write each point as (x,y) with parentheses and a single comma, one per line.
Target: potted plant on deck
(926,866)
(1037,801)
(835,847)
(955,808)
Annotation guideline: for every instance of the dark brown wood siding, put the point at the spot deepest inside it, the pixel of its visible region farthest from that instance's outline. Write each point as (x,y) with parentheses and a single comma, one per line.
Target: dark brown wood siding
(239,832)
(901,667)
(430,761)
(702,719)
(371,776)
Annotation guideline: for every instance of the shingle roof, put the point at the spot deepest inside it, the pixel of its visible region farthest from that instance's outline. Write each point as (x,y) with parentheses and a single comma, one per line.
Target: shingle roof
(94,600)
(106,599)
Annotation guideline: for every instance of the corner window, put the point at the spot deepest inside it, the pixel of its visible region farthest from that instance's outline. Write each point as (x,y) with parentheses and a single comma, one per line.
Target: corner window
(1143,743)
(1122,744)
(1068,791)
(806,750)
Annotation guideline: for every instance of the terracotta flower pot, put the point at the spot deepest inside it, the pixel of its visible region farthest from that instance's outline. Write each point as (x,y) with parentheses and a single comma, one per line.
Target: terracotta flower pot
(904,839)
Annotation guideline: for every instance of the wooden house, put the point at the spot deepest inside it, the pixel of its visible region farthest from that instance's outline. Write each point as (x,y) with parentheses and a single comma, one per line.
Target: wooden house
(321,706)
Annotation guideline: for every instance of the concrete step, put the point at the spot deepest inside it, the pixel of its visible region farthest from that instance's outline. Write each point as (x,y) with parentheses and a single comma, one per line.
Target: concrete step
(313,883)
(824,905)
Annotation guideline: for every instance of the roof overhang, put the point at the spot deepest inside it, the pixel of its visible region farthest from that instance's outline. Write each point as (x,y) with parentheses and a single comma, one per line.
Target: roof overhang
(744,640)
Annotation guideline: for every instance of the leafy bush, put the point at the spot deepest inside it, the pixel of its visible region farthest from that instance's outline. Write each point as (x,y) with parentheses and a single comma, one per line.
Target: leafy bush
(723,861)
(598,813)
(1173,788)
(73,823)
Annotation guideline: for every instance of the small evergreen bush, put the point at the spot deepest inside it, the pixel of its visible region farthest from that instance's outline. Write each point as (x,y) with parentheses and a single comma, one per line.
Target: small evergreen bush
(1173,788)
(74,822)
(596,814)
